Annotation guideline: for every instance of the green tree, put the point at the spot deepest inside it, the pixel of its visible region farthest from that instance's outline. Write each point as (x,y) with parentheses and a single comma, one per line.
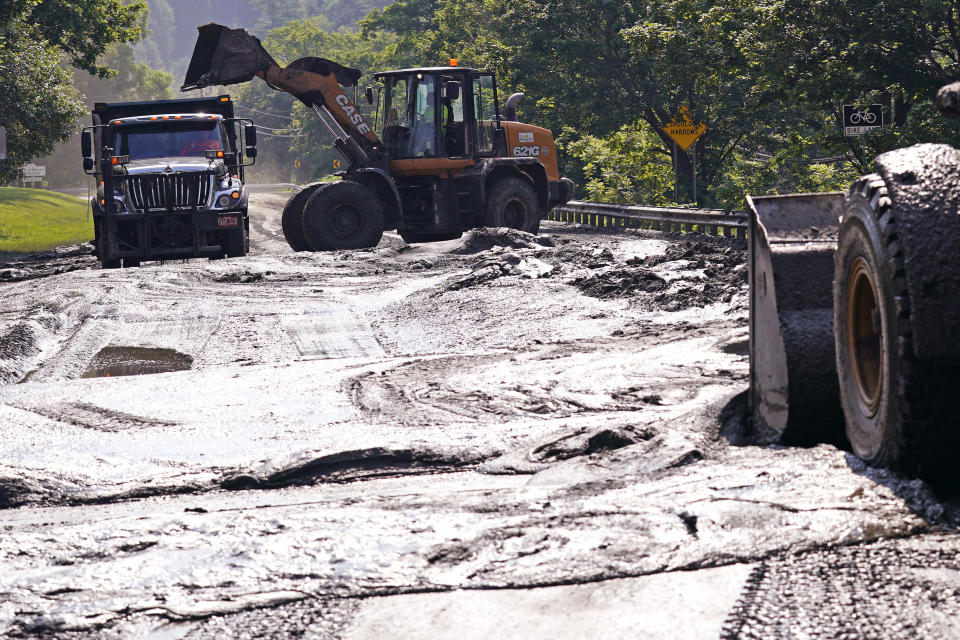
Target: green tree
(40,105)
(822,54)
(132,81)
(629,165)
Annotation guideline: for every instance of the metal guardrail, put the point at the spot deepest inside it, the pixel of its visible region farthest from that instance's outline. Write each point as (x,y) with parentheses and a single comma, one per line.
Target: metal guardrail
(714,222)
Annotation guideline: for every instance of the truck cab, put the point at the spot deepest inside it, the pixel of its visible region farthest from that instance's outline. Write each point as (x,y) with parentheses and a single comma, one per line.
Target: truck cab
(170,179)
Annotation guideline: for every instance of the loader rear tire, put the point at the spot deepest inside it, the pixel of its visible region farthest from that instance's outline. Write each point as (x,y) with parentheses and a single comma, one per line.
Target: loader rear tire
(291,221)
(512,202)
(900,412)
(343,215)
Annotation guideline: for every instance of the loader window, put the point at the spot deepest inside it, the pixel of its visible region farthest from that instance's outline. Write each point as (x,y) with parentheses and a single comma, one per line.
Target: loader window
(452,129)
(423,132)
(410,116)
(487,114)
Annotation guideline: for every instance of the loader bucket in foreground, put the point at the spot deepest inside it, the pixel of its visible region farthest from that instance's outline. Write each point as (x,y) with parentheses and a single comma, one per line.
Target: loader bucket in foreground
(794,393)
(224,56)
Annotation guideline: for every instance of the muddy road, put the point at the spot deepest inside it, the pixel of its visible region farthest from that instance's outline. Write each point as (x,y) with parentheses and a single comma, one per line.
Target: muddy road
(492,437)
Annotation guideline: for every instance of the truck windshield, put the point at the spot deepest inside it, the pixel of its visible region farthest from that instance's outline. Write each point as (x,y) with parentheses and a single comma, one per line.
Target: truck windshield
(167,139)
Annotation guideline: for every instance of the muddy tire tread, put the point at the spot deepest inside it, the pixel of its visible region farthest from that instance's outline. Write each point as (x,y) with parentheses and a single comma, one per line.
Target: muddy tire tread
(291,220)
(929,418)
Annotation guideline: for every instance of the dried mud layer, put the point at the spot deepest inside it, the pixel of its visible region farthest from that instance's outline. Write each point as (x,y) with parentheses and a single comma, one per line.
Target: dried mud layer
(498,436)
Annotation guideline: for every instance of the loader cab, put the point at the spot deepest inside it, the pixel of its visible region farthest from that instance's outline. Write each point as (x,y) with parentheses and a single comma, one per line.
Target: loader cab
(440,112)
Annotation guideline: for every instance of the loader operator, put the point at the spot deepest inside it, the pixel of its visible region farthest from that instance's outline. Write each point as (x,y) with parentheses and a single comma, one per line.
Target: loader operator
(423,134)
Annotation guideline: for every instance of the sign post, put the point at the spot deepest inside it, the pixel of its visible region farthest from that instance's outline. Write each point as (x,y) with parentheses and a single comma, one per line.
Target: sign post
(684,132)
(3,143)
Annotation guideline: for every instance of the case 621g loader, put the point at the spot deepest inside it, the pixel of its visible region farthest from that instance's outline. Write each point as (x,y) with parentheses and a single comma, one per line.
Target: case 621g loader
(438,160)
(855,312)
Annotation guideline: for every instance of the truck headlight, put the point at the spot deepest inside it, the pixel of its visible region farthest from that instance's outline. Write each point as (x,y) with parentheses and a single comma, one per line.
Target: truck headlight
(224,201)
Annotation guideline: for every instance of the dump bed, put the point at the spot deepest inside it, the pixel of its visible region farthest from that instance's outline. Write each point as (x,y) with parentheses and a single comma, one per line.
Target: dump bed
(105,111)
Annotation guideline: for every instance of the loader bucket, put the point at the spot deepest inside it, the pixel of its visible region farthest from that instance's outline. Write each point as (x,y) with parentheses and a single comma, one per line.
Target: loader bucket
(794,393)
(224,56)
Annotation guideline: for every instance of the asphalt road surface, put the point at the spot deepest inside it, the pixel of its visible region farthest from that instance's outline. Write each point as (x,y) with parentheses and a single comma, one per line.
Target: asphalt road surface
(501,436)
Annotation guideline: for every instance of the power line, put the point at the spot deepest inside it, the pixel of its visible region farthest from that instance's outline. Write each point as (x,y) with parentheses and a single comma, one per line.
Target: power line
(265,113)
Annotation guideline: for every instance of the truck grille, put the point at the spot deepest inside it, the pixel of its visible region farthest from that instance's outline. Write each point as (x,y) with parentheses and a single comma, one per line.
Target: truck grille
(172,190)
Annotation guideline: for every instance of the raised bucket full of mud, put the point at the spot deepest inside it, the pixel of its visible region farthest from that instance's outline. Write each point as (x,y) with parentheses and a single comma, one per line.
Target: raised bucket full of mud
(225,56)
(794,393)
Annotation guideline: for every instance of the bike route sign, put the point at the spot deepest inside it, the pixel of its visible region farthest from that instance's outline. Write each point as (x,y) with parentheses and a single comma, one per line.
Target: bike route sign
(682,129)
(858,120)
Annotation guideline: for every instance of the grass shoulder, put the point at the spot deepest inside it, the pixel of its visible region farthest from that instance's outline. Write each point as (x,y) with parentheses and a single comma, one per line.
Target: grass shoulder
(37,220)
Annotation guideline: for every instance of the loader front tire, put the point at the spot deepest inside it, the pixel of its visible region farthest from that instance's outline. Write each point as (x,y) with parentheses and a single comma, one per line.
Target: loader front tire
(343,215)
(291,221)
(512,202)
(900,412)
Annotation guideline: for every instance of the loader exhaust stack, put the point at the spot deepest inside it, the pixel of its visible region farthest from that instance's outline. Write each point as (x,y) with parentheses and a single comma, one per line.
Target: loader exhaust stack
(794,394)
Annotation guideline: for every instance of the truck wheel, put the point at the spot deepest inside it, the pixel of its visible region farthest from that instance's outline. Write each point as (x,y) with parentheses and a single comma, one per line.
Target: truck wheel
(513,203)
(237,242)
(342,215)
(899,411)
(291,221)
(421,236)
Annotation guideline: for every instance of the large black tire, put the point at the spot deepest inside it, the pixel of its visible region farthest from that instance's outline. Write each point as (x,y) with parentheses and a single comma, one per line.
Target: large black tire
(422,236)
(237,242)
(900,412)
(291,220)
(512,202)
(343,215)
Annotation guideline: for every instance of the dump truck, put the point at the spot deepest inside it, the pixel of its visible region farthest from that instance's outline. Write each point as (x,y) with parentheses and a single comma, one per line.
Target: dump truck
(439,158)
(170,179)
(855,312)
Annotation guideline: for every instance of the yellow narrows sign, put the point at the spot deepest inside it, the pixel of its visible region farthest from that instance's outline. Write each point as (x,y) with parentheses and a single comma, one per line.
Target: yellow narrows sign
(683,130)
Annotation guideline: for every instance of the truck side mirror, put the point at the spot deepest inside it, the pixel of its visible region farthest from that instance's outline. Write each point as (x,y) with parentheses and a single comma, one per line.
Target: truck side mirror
(451,90)
(88,164)
(86,146)
(250,138)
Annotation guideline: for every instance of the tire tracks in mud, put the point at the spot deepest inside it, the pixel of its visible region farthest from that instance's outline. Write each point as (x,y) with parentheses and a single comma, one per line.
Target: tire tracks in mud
(456,386)
(90,416)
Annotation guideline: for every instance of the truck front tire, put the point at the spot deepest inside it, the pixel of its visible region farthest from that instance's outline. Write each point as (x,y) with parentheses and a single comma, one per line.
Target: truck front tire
(343,215)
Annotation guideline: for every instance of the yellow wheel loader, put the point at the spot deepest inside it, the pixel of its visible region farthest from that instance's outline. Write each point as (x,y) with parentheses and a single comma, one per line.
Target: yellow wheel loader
(855,312)
(438,159)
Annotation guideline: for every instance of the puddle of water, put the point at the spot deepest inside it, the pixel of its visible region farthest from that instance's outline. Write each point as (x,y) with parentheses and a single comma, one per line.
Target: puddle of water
(136,361)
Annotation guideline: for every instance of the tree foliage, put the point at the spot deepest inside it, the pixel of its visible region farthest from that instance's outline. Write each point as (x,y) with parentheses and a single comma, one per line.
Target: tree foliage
(40,105)
(767,77)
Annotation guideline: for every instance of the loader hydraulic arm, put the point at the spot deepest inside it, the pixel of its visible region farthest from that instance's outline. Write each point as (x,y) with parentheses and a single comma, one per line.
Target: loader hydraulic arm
(225,56)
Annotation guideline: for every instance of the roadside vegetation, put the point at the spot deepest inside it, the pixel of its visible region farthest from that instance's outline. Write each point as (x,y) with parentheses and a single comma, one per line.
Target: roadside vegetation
(37,220)
(768,79)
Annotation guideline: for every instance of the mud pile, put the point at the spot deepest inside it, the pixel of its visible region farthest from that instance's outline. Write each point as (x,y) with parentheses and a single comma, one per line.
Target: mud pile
(477,240)
(48,263)
(620,283)
(691,273)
